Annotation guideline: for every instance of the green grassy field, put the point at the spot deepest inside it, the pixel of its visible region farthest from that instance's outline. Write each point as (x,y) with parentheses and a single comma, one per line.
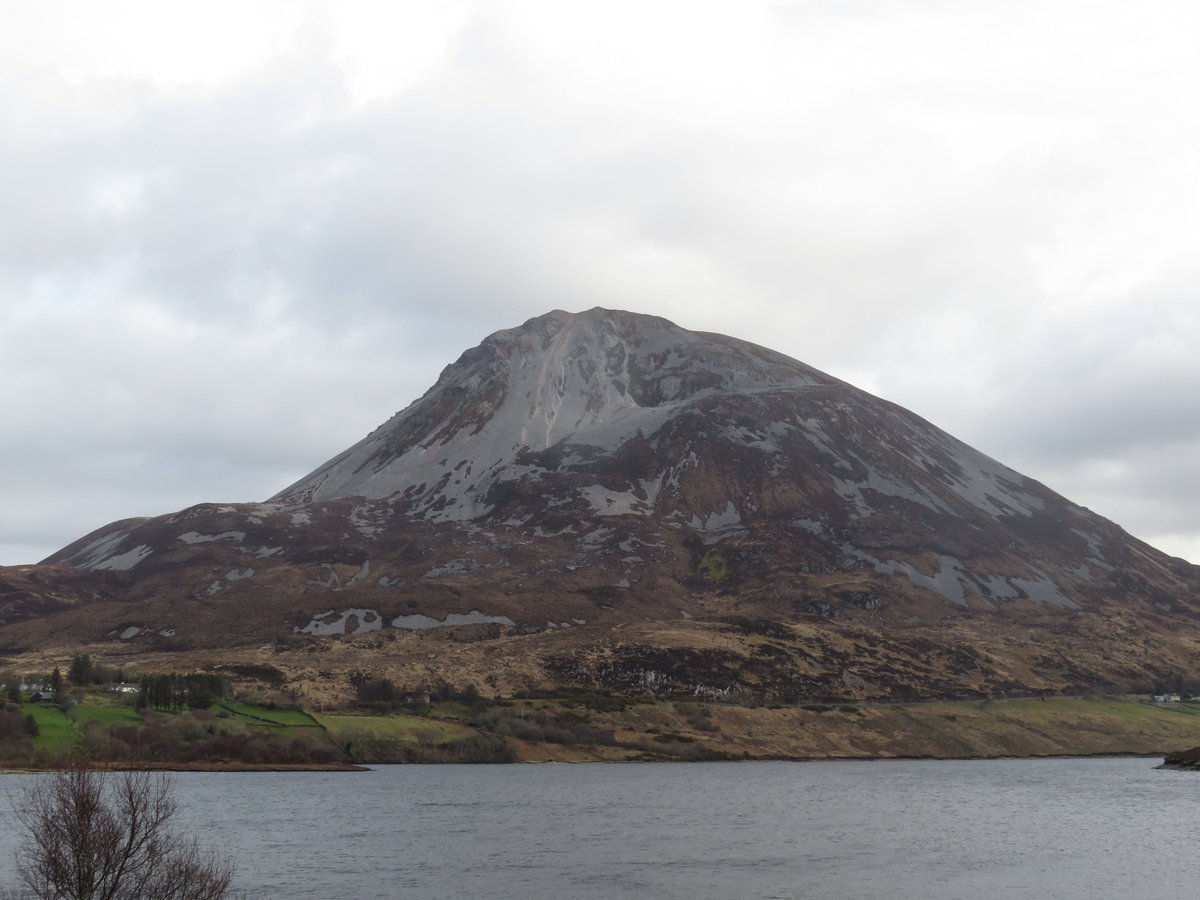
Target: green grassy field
(291,718)
(54,729)
(105,715)
(411,729)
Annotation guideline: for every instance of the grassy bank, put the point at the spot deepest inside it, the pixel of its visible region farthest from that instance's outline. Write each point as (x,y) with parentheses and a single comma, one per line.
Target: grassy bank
(1054,727)
(578,728)
(568,730)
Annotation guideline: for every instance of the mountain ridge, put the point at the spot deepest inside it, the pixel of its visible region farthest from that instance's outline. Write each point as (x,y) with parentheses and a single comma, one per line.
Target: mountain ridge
(604,498)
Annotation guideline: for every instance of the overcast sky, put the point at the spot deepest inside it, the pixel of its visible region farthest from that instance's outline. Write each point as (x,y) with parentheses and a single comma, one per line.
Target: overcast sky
(237,236)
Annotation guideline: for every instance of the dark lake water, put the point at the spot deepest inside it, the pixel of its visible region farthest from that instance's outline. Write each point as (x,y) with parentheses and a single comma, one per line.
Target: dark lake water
(1091,828)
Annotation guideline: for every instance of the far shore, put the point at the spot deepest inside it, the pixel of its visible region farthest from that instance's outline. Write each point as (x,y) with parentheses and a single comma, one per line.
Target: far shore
(367,767)
(594,728)
(163,766)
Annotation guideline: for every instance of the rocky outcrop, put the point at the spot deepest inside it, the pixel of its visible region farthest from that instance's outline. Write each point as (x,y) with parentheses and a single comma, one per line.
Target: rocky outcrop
(1183,759)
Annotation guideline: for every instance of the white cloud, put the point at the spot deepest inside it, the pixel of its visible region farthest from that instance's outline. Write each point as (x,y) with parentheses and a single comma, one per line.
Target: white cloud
(238,236)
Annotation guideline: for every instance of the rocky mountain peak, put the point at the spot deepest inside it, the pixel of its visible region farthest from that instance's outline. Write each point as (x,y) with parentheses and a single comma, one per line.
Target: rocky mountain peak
(592,380)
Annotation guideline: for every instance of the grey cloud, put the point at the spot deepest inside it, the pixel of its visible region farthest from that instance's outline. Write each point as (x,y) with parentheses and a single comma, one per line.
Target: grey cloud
(243,279)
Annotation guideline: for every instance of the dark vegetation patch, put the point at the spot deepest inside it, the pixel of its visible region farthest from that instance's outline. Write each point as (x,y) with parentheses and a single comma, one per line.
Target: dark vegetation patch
(653,671)
(758,626)
(199,736)
(330,554)
(472,748)
(544,726)
(256,672)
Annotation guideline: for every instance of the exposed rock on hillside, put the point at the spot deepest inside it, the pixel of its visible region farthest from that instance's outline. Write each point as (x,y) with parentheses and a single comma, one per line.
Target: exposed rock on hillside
(606,499)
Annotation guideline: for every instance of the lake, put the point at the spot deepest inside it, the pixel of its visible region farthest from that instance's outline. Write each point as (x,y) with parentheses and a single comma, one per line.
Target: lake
(1061,828)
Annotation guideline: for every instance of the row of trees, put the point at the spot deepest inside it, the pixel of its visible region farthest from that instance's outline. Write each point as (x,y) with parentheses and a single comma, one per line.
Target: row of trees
(166,692)
(176,692)
(383,693)
(84,672)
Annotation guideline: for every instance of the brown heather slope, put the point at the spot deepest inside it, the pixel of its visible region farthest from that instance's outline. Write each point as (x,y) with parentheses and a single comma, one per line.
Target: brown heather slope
(605,500)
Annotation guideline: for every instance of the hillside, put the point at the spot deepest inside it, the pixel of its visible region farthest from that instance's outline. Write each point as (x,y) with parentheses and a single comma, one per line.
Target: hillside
(606,500)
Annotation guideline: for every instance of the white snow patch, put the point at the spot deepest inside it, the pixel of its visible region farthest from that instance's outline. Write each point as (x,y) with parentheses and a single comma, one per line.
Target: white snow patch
(452,567)
(1083,572)
(596,538)
(331,581)
(301,518)
(331,623)
(1039,589)
(418,622)
(133,631)
(608,502)
(946,581)
(238,574)
(998,587)
(194,537)
(816,435)
(363,571)
(883,484)
(98,550)
(125,561)
(982,481)
(365,521)
(718,521)
(264,552)
(1043,590)
(1094,546)
(812,526)
(543,533)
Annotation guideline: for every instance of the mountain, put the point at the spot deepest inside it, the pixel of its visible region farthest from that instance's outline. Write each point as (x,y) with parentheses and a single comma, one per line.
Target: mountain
(606,499)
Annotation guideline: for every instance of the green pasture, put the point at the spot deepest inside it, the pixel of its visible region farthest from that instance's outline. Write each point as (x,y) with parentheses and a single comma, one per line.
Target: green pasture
(54,728)
(105,715)
(290,718)
(412,729)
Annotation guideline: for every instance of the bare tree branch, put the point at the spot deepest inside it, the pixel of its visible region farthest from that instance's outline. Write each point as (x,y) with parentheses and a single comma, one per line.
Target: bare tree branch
(92,835)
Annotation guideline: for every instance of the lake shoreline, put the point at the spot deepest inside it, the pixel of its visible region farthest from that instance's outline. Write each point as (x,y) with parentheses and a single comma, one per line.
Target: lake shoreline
(164,766)
(237,768)
(604,729)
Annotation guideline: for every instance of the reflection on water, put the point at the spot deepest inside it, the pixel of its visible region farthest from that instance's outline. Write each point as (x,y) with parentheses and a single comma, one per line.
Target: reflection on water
(1095,828)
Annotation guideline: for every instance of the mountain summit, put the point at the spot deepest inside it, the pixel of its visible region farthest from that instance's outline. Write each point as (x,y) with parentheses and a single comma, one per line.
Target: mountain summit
(579,384)
(573,393)
(608,413)
(606,499)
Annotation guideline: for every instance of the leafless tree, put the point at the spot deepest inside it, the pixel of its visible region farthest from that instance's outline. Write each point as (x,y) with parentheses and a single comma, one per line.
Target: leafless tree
(95,835)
